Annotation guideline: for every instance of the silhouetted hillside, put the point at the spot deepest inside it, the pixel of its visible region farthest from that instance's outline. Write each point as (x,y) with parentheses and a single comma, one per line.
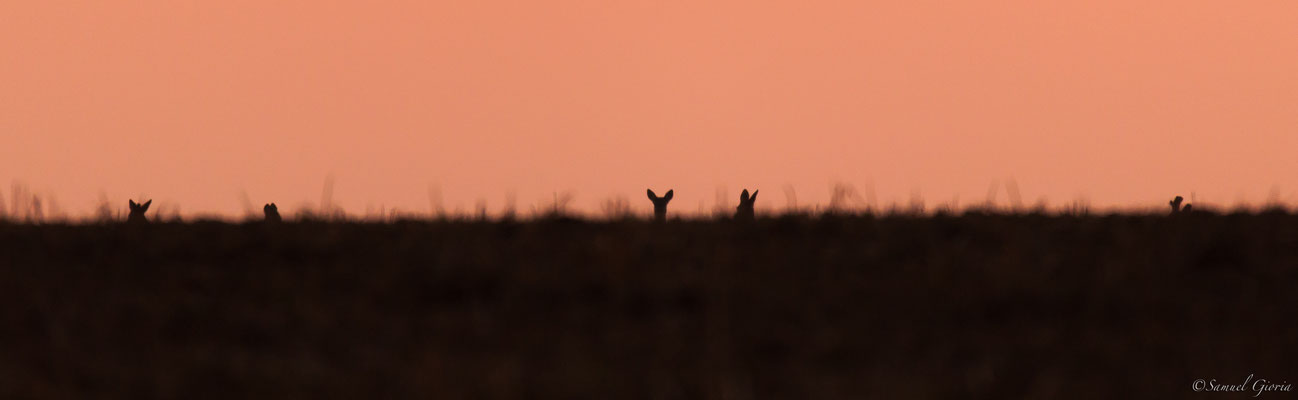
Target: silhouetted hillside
(976,306)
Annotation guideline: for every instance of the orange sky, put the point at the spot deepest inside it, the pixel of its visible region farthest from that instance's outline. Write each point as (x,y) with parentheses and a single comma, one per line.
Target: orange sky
(192,103)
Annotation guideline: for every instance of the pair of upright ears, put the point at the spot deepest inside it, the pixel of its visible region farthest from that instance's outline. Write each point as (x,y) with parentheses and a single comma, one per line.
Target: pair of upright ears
(141,207)
(653,196)
(745,198)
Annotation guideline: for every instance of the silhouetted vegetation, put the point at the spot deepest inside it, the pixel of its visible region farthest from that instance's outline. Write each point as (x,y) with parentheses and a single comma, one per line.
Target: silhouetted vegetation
(972,305)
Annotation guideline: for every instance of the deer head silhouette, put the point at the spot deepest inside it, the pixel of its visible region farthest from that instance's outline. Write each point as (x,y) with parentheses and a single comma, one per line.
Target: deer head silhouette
(660,204)
(272,212)
(1176,206)
(137,212)
(745,209)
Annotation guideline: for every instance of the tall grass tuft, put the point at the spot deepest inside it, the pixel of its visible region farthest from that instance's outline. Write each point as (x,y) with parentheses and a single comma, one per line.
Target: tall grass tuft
(844,199)
(559,205)
(616,208)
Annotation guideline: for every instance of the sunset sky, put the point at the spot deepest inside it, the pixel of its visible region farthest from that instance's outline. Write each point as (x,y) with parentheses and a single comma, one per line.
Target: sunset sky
(196,104)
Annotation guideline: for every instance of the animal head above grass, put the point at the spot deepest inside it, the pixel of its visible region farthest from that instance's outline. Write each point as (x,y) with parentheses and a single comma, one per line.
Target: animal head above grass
(745,208)
(272,212)
(660,204)
(1176,206)
(137,212)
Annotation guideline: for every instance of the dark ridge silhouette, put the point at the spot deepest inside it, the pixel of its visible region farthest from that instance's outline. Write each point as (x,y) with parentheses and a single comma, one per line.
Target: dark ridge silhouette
(660,204)
(272,213)
(137,212)
(958,306)
(745,209)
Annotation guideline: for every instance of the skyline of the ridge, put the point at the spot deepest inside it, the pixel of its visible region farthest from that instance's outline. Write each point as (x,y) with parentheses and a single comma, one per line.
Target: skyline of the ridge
(17,205)
(199,105)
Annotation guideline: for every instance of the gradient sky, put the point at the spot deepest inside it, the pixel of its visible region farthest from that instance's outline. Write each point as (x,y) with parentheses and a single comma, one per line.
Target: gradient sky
(197,103)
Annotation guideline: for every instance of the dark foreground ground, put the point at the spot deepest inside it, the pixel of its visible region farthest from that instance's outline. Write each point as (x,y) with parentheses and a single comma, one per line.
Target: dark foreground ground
(793,308)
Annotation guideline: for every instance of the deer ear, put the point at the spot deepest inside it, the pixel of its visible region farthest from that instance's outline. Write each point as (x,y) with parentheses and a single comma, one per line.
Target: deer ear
(132,204)
(652,196)
(145,206)
(753,198)
(669,195)
(743,197)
